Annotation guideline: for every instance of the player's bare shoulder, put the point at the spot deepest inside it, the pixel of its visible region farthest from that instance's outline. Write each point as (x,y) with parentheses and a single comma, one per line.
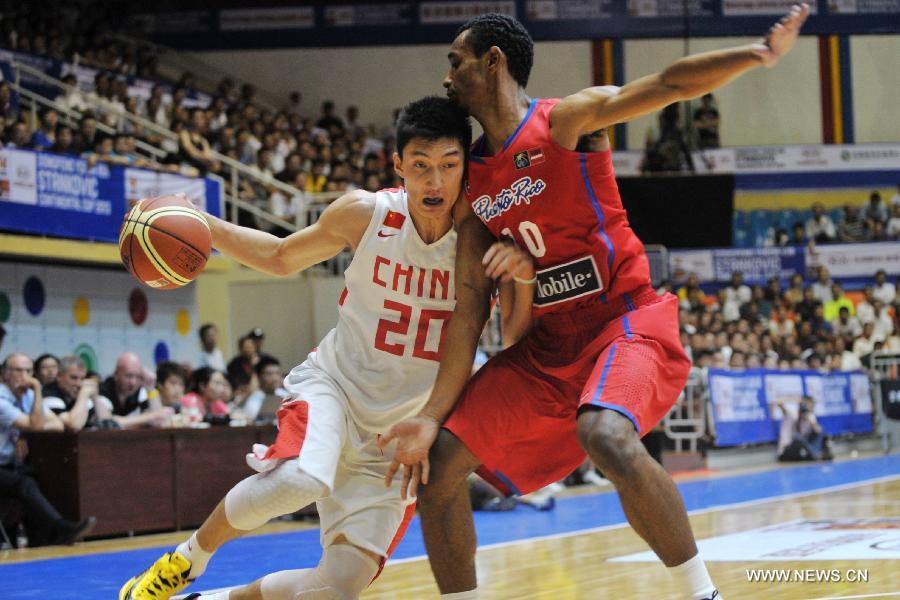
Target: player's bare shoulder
(571,117)
(348,217)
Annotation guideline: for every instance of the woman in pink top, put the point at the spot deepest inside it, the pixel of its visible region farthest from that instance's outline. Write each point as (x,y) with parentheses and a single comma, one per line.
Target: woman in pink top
(207,395)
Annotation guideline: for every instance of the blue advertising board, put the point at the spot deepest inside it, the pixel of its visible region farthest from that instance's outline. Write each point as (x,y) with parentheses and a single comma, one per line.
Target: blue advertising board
(65,196)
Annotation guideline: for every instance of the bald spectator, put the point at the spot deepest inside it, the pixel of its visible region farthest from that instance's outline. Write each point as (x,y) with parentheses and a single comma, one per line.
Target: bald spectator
(22,409)
(70,396)
(130,405)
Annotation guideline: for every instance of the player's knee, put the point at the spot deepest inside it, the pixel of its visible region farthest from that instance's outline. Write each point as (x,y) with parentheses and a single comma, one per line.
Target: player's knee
(610,440)
(451,463)
(284,490)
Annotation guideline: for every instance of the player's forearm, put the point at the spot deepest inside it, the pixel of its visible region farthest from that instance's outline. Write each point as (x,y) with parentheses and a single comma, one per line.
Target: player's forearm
(518,321)
(255,249)
(695,75)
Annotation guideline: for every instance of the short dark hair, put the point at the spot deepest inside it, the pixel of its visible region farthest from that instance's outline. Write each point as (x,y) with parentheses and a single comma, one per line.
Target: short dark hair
(265,361)
(204,328)
(200,377)
(507,34)
(433,118)
(170,368)
(40,359)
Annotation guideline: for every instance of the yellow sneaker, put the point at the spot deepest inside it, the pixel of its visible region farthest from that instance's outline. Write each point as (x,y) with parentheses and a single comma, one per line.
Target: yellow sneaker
(167,576)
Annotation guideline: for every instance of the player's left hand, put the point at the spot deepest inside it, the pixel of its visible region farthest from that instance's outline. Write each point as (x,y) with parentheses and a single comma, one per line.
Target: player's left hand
(414,436)
(782,36)
(505,261)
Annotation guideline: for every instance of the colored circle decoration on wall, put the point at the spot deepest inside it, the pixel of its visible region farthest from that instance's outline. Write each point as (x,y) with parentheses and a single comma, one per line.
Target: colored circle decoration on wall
(183,322)
(81,310)
(34,295)
(161,352)
(4,307)
(137,306)
(87,354)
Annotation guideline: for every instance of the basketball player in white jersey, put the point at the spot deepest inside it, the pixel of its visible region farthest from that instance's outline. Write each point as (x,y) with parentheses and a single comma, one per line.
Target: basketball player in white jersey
(376,367)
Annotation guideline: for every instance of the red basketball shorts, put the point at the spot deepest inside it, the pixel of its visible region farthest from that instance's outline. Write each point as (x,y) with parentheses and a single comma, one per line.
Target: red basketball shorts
(517,415)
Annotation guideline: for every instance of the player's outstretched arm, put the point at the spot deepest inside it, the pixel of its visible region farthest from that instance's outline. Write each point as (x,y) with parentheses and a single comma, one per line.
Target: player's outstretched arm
(340,225)
(598,107)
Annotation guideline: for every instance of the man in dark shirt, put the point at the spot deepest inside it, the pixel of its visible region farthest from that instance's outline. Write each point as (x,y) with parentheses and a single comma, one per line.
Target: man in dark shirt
(70,395)
(706,122)
(128,399)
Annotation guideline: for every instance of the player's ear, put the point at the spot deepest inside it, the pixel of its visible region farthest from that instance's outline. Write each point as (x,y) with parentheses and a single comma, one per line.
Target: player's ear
(494,56)
(398,164)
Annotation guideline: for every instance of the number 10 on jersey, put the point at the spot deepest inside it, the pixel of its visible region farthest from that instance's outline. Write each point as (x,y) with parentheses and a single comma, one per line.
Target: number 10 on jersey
(400,328)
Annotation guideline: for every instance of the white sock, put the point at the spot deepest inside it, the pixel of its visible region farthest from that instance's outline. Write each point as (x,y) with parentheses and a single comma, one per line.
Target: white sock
(199,557)
(693,578)
(216,596)
(470,595)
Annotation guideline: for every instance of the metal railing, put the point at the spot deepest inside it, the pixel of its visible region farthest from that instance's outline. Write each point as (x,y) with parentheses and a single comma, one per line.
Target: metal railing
(686,422)
(236,171)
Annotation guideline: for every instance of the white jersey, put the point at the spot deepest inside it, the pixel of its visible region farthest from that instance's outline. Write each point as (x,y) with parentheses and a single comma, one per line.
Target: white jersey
(399,295)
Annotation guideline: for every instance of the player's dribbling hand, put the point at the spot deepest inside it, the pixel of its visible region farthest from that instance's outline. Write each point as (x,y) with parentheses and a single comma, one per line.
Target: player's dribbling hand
(505,261)
(782,36)
(414,436)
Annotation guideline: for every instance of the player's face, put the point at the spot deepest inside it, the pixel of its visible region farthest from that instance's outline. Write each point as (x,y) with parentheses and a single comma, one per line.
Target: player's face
(432,171)
(465,79)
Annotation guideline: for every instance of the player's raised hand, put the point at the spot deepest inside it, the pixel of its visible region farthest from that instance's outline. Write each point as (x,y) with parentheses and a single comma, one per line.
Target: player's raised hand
(414,436)
(506,261)
(782,36)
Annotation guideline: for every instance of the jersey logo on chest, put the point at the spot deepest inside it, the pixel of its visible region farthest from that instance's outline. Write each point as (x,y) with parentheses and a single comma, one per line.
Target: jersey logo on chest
(570,280)
(526,158)
(522,191)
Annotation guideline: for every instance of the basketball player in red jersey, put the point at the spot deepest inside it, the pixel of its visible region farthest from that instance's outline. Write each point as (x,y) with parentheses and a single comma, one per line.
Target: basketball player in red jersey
(603,363)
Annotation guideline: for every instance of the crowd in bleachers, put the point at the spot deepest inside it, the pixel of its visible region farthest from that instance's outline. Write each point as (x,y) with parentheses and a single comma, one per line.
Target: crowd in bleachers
(815,326)
(311,153)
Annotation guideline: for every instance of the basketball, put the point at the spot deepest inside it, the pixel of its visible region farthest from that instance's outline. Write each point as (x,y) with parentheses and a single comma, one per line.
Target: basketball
(164,242)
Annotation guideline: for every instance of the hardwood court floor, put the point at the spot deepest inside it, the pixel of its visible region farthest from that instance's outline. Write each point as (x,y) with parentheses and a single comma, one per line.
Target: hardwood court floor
(565,553)
(575,566)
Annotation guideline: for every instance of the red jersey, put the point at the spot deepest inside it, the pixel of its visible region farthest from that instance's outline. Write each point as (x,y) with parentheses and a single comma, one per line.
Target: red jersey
(564,207)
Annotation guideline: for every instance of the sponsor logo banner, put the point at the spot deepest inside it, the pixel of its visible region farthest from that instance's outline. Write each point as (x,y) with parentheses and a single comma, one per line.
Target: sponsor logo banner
(60,195)
(432,13)
(855,260)
(568,10)
(738,8)
(743,402)
(250,19)
(570,280)
(362,15)
(876,538)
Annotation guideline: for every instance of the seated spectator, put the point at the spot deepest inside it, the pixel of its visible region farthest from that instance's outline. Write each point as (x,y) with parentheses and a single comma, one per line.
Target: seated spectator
(801,436)
(206,397)
(193,147)
(846,324)
(737,293)
(271,377)
(865,343)
(836,302)
(819,227)
(22,409)
(65,141)
(103,151)
(877,232)
(328,121)
(9,108)
(798,234)
(45,136)
(865,310)
(316,180)
(884,291)
(851,228)
(876,211)
(822,286)
(210,355)
(128,399)
(17,135)
(46,368)
(883,324)
(70,396)
(72,98)
(893,224)
(794,293)
(171,381)
(86,138)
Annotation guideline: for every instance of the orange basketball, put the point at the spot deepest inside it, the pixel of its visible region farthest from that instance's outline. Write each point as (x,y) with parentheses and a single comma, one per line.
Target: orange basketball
(164,242)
